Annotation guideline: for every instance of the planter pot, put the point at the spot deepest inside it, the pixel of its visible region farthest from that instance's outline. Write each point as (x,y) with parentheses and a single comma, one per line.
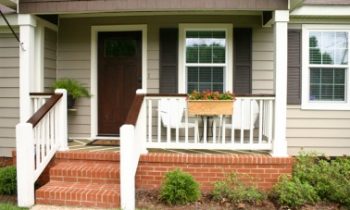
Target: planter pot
(210,107)
(70,101)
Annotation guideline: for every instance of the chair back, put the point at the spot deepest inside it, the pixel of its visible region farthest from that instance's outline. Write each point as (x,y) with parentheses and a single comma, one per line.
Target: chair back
(241,113)
(171,111)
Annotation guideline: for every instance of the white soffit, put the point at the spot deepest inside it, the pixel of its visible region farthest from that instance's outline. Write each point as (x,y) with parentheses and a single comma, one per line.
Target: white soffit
(322,11)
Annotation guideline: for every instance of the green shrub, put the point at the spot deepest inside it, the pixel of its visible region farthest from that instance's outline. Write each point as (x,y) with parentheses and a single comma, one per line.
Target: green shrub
(179,188)
(235,191)
(330,179)
(9,206)
(8,181)
(294,193)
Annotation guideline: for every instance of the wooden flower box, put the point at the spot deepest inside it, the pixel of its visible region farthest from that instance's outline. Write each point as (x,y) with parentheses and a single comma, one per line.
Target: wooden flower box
(210,107)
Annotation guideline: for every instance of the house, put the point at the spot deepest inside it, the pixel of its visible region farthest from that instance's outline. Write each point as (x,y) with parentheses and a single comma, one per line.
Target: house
(289,57)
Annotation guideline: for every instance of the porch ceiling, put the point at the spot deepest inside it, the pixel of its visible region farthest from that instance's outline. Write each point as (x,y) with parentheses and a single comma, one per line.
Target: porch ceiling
(89,6)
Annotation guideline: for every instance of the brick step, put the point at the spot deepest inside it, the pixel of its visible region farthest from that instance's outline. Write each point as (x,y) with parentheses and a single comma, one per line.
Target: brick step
(79,156)
(86,172)
(79,194)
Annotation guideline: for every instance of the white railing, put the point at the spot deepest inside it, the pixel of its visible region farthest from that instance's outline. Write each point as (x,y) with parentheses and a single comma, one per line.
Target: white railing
(132,145)
(38,100)
(37,141)
(249,128)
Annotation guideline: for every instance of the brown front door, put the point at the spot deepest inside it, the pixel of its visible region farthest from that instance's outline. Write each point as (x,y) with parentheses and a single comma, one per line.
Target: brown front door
(119,76)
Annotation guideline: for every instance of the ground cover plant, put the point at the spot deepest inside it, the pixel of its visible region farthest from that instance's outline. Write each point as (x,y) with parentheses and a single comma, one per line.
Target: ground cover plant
(8,206)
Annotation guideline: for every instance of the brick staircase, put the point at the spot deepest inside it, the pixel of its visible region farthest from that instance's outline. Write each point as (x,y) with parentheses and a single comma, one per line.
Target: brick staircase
(87,179)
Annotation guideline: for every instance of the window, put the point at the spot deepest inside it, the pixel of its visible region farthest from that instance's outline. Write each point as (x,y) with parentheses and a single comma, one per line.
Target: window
(325,68)
(205,57)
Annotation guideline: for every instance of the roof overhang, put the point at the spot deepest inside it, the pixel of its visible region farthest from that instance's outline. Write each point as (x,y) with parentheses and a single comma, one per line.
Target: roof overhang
(322,11)
(92,6)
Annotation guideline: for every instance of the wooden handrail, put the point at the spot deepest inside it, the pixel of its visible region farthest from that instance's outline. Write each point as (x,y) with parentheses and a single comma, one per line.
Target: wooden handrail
(134,110)
(38,115)
(41,94)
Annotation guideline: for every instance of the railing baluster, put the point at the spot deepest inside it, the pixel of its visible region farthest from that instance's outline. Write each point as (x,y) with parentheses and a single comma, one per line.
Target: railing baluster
(251,121)
(260,120)
(159,124)
(214,131)
(242,122)
(270,120)
(205,133)
(186,126)
(177,125)
(150,118)
(223,139)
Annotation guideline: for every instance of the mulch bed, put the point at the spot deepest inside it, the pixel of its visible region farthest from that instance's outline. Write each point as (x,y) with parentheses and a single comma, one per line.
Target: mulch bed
(149,200)
(5,161)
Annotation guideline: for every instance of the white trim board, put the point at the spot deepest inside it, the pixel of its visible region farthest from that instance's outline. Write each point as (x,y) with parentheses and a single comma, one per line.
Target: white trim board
(325,11)
(94,65)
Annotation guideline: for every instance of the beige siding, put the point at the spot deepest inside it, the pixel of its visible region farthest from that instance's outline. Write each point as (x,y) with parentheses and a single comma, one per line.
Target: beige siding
(323,131)
(74,53)
(9,102)
(263,75)
(50,58)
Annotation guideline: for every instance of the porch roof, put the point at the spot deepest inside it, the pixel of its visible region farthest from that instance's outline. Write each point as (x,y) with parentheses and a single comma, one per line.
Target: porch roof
(89,6)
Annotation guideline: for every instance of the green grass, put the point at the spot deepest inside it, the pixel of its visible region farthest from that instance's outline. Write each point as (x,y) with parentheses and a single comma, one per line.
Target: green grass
(8,206)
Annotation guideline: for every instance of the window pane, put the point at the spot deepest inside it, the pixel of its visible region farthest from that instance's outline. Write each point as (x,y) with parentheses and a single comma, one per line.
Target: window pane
(341,56)
(314,39)
(328,48)
(192,74)
(205,78)
(205,74)
(205,47)
(327,84)
(192,48)
(315,75)
(341,40)
(315,56)
(327,76)
(119,47)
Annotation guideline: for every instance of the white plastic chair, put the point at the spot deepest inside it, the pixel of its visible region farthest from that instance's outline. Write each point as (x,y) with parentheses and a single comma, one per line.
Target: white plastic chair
(241,118)
(171,113)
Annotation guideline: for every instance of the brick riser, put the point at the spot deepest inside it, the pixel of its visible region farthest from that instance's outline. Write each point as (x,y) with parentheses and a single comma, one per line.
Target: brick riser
(262,171)
(86,179)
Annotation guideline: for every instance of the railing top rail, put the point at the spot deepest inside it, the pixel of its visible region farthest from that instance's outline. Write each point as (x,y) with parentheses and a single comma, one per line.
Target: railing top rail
(38,115)
(165,95)
(41,94)
(255,95)
(134,110)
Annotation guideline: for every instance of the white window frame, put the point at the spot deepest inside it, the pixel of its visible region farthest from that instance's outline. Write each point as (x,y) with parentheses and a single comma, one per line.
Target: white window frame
(306,103)
(228,71)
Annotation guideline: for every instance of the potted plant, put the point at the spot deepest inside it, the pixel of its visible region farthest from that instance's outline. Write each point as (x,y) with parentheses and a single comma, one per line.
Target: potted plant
(74,89)
(210,103)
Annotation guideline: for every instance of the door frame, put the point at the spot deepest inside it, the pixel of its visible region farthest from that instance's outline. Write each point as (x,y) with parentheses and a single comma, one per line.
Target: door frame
(94,66)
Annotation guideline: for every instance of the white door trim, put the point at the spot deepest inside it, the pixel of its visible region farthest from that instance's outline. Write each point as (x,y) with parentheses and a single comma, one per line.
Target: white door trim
(94,64)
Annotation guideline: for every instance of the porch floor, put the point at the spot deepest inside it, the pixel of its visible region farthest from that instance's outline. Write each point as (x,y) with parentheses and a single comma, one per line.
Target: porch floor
(82,145)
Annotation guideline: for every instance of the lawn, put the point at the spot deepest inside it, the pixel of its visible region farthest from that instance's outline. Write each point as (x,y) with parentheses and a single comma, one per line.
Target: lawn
(8,206)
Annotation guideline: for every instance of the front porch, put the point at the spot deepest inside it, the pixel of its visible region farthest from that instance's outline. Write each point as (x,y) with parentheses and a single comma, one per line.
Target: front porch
(158,69)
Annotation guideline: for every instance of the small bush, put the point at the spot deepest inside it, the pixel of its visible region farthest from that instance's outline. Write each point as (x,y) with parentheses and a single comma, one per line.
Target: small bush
(293,193)
(8,181)
(235,191)
(179,188)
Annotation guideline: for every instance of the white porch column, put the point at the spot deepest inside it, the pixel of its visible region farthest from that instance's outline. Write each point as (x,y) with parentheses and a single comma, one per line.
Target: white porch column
(281,18)
(27,24)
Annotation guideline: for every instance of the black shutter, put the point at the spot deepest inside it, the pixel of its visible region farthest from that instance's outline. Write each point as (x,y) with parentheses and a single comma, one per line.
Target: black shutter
(242,60)
(294,67)
(168,60)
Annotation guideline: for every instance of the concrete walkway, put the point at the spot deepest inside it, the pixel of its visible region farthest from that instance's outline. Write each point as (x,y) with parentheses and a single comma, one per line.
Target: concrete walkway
(47,207)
